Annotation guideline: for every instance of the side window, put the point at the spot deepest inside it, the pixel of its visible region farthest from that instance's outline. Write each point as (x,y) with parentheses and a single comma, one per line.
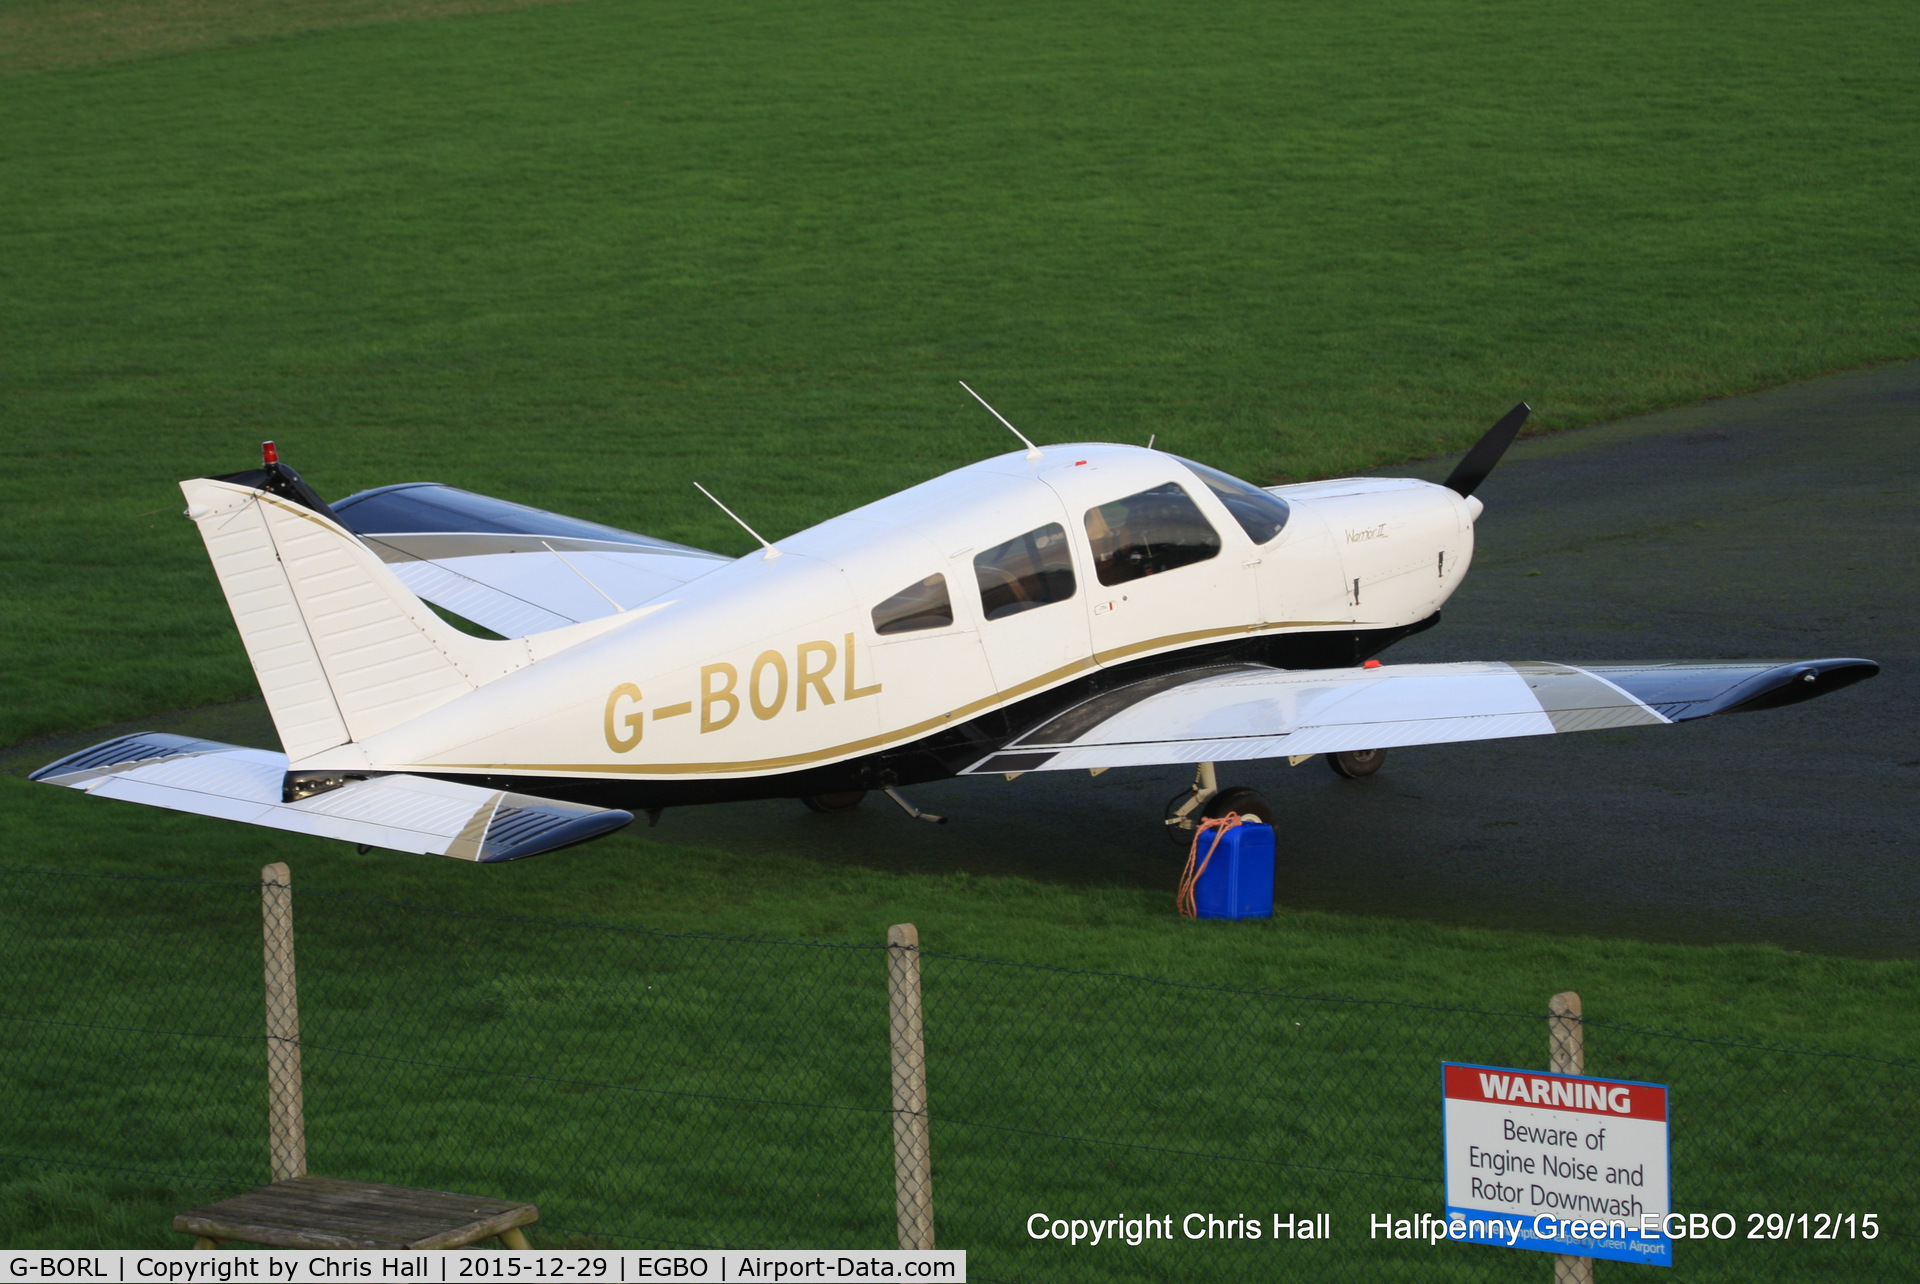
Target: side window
(921,605)
(1261,513)
(1031,570)
(1157,530)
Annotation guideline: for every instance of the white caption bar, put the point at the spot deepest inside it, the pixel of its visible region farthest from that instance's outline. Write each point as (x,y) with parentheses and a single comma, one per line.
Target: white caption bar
(730,1266)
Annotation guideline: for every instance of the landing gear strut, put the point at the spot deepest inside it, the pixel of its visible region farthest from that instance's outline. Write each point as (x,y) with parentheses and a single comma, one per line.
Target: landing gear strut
(1206,800)
(912,810)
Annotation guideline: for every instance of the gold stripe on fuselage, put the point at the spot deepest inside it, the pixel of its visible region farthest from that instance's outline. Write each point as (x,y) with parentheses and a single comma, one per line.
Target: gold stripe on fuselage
(885,738)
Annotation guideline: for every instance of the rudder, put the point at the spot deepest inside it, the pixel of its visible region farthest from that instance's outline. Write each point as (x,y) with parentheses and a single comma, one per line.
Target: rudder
(341,648)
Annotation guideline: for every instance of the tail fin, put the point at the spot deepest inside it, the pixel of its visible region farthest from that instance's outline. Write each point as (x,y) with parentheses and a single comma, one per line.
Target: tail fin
(342,649)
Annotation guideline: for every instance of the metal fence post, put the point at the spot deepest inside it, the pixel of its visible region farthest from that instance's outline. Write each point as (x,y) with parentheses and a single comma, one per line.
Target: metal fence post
(286,1111)
(912,1148)
(1567,1054)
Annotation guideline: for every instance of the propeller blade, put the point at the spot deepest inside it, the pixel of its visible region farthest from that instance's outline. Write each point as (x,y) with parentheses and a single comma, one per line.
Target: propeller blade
(1486,452)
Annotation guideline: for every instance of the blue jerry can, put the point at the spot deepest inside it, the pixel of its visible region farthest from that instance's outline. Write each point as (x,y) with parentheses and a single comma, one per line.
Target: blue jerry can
(1238,882)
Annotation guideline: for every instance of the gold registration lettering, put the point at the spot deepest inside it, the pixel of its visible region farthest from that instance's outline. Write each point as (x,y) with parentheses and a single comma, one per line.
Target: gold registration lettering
(813,663)
(778,663)
(855,692)
(806,676)
(633,721)
(711,695)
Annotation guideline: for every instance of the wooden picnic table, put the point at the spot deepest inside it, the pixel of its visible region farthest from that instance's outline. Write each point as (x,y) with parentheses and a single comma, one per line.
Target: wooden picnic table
(325,1212)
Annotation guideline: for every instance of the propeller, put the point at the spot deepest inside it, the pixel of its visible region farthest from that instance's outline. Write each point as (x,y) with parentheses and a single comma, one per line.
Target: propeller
(1486,452)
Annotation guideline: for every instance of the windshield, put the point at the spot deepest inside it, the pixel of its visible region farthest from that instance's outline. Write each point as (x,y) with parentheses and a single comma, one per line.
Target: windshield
(1261,513)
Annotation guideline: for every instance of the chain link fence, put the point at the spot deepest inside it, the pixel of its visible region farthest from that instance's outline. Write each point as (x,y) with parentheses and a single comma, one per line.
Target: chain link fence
(651,1089)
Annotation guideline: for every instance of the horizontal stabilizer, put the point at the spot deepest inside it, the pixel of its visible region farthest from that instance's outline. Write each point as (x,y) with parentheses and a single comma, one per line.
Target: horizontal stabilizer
(399,812)
(514,569)
(1253,711)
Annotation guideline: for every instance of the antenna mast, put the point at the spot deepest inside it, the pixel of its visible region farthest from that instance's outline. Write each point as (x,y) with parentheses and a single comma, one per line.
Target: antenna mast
(772,552)
(1033,451)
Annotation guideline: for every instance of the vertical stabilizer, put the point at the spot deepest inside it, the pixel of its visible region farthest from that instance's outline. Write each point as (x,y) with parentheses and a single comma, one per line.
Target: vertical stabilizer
(342,649)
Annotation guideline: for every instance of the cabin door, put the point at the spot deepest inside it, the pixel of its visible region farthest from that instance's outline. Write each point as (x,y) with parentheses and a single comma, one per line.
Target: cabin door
(1033,625)
(1162,573)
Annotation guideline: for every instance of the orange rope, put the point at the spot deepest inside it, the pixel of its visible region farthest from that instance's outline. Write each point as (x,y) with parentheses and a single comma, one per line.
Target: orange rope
(1190,876)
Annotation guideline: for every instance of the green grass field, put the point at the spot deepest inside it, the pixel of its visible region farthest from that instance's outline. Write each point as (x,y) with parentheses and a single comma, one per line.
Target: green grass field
(583,254)
(391,999)
(694,1089)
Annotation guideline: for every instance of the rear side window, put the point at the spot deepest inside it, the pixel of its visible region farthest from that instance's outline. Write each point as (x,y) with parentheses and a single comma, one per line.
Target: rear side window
(1031,570)
(1261,513)
(921,605)
(1157,530)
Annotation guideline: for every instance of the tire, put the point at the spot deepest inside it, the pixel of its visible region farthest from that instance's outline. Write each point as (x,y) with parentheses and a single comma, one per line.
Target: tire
(1250,803)
(846,800)
(1357,765)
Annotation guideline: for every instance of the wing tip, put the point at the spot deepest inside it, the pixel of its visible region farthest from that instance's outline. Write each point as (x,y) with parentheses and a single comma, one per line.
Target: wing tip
(536,827)
(135,747)
(1794,684)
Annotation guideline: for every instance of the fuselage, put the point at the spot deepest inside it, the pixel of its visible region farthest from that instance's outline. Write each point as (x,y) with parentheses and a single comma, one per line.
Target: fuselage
(884,645)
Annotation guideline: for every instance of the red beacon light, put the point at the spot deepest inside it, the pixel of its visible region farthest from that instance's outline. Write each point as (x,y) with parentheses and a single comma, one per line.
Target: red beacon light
(1371,664)
(268,455)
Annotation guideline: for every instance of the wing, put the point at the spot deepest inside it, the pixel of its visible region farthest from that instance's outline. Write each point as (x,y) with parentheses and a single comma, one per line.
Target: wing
(514,569)
(402,813)
(1252,711)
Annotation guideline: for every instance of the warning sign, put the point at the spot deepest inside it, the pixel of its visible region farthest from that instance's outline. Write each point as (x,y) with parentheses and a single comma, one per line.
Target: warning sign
(1557,1163)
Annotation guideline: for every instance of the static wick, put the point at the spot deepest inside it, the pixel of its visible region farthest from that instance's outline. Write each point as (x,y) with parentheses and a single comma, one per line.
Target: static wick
(772,552)
(1033,451)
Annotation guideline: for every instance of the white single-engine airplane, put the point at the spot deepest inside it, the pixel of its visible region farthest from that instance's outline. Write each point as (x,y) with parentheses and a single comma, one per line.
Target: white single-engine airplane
(1072,607)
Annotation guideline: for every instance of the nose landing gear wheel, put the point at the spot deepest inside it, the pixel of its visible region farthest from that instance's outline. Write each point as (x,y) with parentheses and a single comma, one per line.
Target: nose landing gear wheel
(1357,765)
(845,801)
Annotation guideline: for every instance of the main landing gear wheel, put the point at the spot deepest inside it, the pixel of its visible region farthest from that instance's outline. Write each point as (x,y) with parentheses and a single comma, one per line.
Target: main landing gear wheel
(1357,765)
(1250,803)
(844,801)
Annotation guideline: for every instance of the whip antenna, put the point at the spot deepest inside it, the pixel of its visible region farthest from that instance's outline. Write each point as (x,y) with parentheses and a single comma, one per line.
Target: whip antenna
(772,552)
(1033,451)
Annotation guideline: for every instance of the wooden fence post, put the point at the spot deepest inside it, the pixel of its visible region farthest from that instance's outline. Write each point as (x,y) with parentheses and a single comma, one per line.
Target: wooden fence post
(1567,1054)
(286,1111)
(912,1149)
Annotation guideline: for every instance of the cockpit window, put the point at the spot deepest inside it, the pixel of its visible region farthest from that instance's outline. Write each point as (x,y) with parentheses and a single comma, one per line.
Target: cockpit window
(1261,513)
(924,604)
(1031,570)
(1157,530)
